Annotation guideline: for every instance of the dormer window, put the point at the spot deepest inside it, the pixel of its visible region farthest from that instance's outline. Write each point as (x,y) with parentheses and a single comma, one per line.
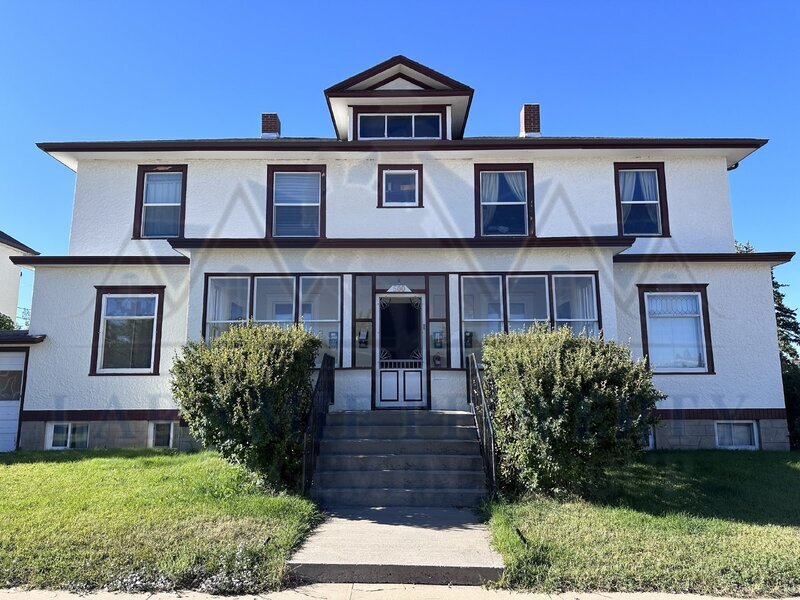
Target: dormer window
(400,126)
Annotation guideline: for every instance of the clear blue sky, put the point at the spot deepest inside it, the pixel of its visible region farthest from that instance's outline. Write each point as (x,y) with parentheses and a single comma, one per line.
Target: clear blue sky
(138,70)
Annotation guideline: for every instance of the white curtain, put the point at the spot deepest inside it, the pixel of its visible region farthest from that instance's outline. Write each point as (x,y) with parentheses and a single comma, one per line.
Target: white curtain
(627,184)
(163,188)
(649,185)
(675,335)
(516,181)
(490,187)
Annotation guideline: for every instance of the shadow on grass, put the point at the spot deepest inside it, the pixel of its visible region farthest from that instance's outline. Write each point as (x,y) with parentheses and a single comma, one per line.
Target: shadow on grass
(750,487)
(68,456)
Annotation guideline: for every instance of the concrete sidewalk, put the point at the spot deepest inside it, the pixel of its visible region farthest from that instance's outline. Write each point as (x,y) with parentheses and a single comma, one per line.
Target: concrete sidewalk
(399,545)
(363,591)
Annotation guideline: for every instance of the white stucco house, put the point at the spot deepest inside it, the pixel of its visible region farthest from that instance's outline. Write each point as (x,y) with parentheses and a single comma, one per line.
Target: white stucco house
(403,243)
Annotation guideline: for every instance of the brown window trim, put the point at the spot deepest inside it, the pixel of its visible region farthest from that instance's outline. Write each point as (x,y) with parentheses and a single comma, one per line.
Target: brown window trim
(440,109)
(662,194)
(271,170)
(139,207)
(383,168)
(158,290)
(698,288)
(491,167)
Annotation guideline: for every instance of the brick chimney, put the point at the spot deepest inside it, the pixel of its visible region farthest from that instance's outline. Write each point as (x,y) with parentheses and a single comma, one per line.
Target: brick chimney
(529,123)
(270,125)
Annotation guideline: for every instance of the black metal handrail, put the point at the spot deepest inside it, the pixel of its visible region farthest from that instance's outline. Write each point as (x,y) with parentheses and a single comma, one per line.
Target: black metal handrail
(482,413)
(321,399)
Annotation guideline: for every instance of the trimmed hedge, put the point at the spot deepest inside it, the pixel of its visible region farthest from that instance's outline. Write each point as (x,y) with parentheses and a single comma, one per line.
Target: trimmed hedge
(248,395)
(566,407)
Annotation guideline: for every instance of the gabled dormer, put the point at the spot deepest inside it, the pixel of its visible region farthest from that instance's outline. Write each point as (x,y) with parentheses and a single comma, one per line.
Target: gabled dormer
(399,99)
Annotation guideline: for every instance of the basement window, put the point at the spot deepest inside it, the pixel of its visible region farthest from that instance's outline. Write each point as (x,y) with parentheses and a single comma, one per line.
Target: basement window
(63,436)
(737,435)
(161,434)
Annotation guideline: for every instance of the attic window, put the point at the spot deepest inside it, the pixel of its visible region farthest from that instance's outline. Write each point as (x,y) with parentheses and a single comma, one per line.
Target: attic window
(400,126)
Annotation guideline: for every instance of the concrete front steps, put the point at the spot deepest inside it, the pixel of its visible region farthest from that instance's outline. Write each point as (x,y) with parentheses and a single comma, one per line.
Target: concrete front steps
(400,488)
(399,458)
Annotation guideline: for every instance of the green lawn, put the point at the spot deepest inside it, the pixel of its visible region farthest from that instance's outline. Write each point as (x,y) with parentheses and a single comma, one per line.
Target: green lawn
(704,522)
(142,520)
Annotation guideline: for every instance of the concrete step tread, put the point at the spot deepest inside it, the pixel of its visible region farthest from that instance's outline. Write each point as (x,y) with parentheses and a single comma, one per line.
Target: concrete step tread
(407,471)
(408,490)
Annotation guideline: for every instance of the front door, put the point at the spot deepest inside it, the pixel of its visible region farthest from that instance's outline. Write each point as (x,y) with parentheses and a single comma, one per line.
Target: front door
(12,376)
(401,380)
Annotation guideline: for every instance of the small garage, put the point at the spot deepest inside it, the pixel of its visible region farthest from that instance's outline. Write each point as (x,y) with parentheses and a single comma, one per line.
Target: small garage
(14,347)
(12,379)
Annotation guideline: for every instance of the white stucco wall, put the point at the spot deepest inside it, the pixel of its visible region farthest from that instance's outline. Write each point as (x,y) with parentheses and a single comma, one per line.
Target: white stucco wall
(743,333)
(573,195)
(9,281)
(63,309)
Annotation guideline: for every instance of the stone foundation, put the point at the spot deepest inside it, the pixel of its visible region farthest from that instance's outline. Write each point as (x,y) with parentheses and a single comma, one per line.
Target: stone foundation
(107,434)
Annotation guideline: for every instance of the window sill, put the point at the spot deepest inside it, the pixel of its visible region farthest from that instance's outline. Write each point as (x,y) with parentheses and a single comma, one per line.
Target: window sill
(124,374)
(684,373)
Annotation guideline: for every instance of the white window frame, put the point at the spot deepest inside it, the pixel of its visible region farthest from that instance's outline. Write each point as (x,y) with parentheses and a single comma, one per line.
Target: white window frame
(756,439)
(547,292)
(415,173)
(464,320)
(413,125)
(48,436)
(294,299)
(208,300)
(338,320)
(703,348)
(151,433)
(524,203)
(145,205)
(591,276)
(657,202)
(276,204)
(101,337)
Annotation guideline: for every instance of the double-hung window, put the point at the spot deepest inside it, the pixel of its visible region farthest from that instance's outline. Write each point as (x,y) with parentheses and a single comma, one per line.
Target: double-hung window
(675,330)
(399,186)
(482,311)
(228,303)
(400,126)
(297,200)
(641,199)
(64,436)
(504,200)
(127,330)
(160,201)
(575,303)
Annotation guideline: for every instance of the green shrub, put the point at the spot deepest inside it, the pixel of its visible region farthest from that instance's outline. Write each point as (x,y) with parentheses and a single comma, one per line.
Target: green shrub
(7,323)
(566,407)
(248,394)
(791,394)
